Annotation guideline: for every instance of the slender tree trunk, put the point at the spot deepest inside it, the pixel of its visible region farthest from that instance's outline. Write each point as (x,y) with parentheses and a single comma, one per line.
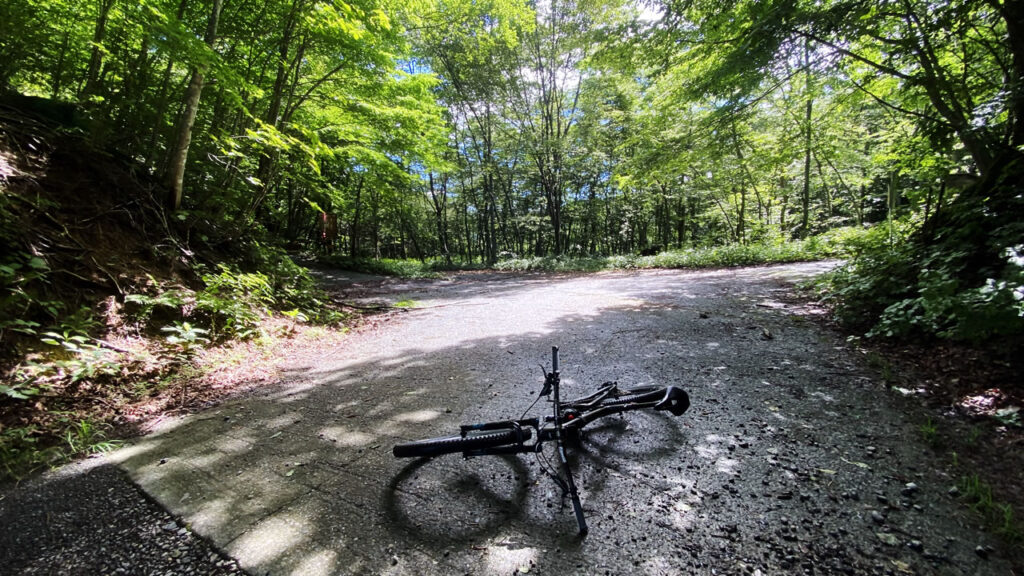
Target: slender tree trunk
(354,230)
(57,76)
(92,75)
(806,199)
(175,175)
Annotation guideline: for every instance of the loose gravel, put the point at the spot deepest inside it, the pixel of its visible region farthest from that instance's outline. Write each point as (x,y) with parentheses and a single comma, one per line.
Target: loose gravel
(89,519)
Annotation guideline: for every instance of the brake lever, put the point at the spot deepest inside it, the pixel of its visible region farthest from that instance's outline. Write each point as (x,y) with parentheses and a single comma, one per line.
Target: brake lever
(548,381)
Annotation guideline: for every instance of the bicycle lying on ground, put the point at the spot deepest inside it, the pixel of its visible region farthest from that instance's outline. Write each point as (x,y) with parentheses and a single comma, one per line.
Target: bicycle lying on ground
(568,419)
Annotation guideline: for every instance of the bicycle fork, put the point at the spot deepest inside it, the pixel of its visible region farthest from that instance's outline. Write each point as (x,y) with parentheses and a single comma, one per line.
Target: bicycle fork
(569,485)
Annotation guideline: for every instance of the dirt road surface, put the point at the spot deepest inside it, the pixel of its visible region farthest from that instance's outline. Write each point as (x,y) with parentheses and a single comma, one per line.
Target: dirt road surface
(794,457)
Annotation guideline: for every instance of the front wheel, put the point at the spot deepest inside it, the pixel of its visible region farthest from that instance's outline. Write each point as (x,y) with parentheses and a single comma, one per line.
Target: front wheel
(451,444)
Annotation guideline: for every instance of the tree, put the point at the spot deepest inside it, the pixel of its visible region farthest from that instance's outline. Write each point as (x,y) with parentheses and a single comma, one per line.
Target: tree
(175,175)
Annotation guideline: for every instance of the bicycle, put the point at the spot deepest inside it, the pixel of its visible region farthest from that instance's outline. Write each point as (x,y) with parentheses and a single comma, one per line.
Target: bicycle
(566,422)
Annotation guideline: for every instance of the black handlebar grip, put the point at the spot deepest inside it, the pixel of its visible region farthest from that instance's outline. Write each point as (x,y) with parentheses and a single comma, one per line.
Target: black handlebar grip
(676,401)
(554,358)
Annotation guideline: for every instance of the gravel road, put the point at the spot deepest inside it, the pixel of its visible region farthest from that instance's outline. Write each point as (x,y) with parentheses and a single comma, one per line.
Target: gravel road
(794,458)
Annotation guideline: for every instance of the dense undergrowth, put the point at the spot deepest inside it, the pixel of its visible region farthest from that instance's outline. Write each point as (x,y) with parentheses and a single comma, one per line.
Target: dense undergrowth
(837,243)
(105,302)
(958,277)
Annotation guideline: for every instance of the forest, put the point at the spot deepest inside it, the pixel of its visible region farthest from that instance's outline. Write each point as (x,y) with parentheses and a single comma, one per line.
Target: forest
(490,133)
(476,131)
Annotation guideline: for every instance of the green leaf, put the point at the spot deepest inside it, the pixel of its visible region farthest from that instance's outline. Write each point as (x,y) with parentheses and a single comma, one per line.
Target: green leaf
(38,263)
(17,394)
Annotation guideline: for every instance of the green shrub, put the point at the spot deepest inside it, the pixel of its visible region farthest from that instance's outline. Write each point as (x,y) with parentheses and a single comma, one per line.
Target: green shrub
(959,278)
(385,266)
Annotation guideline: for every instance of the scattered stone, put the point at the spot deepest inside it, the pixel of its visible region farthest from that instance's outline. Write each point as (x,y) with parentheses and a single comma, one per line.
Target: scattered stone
(888,539)
(981,551)
(170,526)
(953,492)
(877,517)
(915,545)
(909,489)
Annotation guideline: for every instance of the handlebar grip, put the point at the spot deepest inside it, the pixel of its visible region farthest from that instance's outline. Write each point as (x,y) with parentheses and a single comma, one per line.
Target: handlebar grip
(554,358)
(676,401)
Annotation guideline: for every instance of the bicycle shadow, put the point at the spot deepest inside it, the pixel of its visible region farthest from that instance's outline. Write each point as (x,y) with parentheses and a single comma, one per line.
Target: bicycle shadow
(445,501)
(435,502)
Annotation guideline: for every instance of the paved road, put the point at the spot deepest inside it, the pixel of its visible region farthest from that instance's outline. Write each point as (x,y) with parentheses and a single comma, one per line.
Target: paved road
(792,459)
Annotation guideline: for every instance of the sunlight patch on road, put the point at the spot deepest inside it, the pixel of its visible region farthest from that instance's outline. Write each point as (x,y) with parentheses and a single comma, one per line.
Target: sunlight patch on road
(418,416)
(508,558)
(346,437)
(727,465)
(271,539)
(320,562)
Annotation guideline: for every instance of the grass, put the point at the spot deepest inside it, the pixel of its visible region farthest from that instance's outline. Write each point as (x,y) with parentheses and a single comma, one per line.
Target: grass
(833,244)
(21,452)
(999,515)
(930,431)
(392,267)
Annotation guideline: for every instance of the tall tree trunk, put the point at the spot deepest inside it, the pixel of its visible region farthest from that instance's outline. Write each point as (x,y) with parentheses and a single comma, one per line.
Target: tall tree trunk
(268,159)
(353,250)
(439,198)
(57,75)
(175,175)
(741,228)
(805,223)
(92,75)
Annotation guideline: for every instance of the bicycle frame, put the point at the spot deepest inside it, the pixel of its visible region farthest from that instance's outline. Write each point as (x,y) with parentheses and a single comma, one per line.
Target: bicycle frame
(562,422)
(513,436)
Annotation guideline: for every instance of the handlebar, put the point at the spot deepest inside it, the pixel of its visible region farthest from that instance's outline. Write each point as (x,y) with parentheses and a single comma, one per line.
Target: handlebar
(668,398)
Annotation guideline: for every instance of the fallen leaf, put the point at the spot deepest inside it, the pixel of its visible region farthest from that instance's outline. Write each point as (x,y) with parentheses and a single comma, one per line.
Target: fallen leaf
(859,464)
(888,538)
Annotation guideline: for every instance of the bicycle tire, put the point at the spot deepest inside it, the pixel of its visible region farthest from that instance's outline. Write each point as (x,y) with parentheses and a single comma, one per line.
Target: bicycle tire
(451,444)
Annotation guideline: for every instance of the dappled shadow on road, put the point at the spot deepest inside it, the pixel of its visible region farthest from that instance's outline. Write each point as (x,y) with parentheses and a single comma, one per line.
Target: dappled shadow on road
(88,518)
(301,480)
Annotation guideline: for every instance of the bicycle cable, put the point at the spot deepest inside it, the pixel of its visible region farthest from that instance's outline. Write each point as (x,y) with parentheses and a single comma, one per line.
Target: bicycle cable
(535,400)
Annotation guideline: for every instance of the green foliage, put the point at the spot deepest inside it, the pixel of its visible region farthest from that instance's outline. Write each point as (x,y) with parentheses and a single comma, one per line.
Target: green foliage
(23,277)
(85,437)
(21,452)
(961,281)
(186,338)
(929,431)
(73,356)
(715,257)
(385,266)
(170,301)
(233,302)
